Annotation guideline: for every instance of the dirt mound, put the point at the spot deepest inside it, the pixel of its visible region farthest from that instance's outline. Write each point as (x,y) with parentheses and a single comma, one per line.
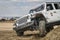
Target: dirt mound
(11,35)
(6,33)
(53,35)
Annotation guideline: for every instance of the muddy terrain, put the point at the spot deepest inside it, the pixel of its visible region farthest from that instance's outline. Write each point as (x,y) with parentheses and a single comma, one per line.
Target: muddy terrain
(7,33)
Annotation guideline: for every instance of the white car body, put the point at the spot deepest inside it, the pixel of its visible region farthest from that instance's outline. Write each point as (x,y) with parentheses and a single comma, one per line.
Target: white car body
(50,15)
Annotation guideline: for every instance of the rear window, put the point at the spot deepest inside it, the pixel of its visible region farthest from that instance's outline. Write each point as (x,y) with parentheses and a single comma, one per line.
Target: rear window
(57,5)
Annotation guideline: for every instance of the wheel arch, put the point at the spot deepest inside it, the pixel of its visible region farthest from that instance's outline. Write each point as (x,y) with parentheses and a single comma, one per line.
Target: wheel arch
(41,16)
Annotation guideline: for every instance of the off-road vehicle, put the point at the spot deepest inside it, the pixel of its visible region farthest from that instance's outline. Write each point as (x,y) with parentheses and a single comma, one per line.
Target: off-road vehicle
(41,18)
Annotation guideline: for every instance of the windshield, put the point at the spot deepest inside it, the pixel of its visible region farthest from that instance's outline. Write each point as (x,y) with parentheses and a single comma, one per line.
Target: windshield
(40,8)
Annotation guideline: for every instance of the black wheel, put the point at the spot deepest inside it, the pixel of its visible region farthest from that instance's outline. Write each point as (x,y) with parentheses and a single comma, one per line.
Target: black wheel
(20,33)
(49,28)
(42,28)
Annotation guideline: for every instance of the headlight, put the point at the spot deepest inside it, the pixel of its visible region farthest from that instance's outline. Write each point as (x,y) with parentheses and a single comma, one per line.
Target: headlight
(16,24)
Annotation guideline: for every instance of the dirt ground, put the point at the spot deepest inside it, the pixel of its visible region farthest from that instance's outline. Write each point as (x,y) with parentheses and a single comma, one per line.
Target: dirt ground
(7,33)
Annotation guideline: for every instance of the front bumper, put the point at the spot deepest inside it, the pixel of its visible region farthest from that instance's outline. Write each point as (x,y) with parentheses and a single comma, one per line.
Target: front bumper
(22,26)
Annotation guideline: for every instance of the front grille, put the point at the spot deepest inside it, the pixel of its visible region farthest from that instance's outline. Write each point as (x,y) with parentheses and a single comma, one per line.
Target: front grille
(22,20)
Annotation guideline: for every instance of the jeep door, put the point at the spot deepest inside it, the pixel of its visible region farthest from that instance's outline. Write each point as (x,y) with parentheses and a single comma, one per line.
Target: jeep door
(50,13)
(57,10)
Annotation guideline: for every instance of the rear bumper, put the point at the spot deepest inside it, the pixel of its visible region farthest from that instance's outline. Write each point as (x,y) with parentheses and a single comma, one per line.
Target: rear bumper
(20,27)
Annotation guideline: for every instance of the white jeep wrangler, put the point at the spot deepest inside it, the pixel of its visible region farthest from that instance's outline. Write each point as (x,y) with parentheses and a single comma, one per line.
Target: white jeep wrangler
(42,18)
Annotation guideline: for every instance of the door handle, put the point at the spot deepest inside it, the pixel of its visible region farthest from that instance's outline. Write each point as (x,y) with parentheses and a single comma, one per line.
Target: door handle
(54,11)
(51,14)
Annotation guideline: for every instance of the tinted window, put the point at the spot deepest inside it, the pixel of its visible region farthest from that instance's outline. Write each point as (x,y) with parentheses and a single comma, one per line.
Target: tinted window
(49,7)
(57,5)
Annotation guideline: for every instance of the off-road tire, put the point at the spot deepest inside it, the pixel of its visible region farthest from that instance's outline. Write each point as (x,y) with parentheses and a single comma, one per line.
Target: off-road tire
(42,28)
(20,33)
(49,28)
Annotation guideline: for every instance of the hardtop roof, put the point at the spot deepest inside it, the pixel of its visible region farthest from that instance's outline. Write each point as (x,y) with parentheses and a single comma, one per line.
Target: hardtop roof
(52,2)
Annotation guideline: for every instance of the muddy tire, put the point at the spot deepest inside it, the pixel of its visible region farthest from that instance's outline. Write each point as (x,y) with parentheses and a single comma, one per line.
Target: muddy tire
(42,28)
(49,28)
(20,33)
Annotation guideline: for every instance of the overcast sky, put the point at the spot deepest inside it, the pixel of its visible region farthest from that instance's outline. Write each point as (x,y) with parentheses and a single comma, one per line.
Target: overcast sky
(18,7)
